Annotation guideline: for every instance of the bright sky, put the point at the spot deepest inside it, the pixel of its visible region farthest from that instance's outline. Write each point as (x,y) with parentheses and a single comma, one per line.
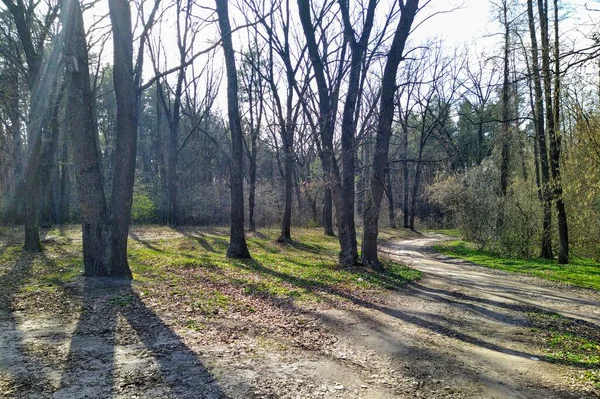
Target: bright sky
(458,22)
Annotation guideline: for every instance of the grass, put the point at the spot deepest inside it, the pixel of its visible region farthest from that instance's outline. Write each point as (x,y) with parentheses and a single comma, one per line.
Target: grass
(580,272)
(305,269)
(571,342)
(189,267)
(455,233)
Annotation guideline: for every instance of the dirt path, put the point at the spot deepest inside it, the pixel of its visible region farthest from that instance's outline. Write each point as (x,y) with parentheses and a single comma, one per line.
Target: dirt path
(462,331)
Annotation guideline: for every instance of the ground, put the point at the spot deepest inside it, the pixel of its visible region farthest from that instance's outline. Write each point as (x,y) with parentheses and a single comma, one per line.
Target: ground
(194,325)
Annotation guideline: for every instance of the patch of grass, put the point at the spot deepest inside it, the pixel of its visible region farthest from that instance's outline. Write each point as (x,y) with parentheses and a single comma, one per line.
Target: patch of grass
(211,303)
(195,325)
(574,349)
(448,232)
(592,376)
(121,300)
(188,267)
(580,272)
(305,269)
(569,341)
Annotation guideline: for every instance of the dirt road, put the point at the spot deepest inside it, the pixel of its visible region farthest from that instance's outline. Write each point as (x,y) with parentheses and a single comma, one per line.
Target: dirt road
(462,330)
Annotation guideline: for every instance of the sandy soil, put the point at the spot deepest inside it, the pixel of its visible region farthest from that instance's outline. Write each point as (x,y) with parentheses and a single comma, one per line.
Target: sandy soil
(459,332)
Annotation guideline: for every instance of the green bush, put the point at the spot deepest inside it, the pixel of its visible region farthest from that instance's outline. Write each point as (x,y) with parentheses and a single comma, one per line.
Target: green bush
(143,209)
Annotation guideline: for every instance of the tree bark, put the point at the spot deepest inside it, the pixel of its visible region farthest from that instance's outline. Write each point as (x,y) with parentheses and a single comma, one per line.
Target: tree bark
(405,177)
(555,145)
(546,245)
(504,163)
(127,127)
(41,78)
(384,132)
(389,190)
(252,188)
(328,212)
(237,242)
(79,122)
(341,184)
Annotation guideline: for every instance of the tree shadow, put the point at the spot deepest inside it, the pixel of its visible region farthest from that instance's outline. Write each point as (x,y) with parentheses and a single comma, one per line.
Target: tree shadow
(427,321)
(121,347)
(145,243)
(15,359)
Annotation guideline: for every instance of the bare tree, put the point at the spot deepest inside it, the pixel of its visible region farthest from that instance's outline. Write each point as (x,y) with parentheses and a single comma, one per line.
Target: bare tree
(237,242)
(395,55)
(33,33)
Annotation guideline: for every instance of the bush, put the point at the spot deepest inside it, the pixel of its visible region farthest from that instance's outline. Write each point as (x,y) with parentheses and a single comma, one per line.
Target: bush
(143,209)
(472,198)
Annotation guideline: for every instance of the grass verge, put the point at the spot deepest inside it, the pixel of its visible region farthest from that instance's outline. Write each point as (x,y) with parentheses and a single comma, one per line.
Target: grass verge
(580,272)
(189,266)
(571,342)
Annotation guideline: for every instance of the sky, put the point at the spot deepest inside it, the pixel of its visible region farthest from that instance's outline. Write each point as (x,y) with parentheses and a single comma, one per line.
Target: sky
(460,23)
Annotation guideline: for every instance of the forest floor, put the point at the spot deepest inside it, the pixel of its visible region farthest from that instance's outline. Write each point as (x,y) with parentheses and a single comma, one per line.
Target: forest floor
(287,324)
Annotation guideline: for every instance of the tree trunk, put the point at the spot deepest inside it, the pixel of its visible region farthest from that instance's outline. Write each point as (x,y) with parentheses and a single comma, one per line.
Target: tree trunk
(286,223)
(328,212)
(127,127)
(252,189)
(504,164)
(384,132)
(555,145)
(237,242)
(389,190)
(551,118)
(413,200)
(342,185)
(79,121)
(546,245)
(63,195)
(405,179)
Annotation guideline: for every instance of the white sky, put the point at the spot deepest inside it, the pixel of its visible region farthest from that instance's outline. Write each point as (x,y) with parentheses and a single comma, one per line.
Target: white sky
(471,23)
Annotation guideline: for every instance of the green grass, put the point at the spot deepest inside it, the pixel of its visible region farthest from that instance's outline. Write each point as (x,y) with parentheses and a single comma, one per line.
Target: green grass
(305,269)
(580,272)
(571,342)
(189,268)
(448,232)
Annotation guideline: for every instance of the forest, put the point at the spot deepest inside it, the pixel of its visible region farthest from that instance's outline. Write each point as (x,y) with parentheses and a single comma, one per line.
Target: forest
(271,175)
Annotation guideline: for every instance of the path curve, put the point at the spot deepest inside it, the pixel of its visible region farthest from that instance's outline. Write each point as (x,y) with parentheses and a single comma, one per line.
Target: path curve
(462,330)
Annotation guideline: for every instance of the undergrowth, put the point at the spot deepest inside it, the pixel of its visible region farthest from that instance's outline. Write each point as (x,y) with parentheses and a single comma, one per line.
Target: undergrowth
(580,272)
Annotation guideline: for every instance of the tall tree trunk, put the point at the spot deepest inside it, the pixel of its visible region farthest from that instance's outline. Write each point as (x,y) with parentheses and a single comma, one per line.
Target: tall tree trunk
(556,182)
(384,133)
(415,193)
(342,184)
(80,123)
(252,188)
(237,242)
(49,149)
(328,212)
(127,128)
(63,195)
(504,163)
(546,245)
(405,177)
(555,145)
(288,166)
(389,190)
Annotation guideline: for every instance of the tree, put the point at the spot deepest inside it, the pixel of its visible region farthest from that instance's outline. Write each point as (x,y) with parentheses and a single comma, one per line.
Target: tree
(395,55)
(540,142)
(40,81)
(94,212)
(237,241)
(342,186)
(127,127)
